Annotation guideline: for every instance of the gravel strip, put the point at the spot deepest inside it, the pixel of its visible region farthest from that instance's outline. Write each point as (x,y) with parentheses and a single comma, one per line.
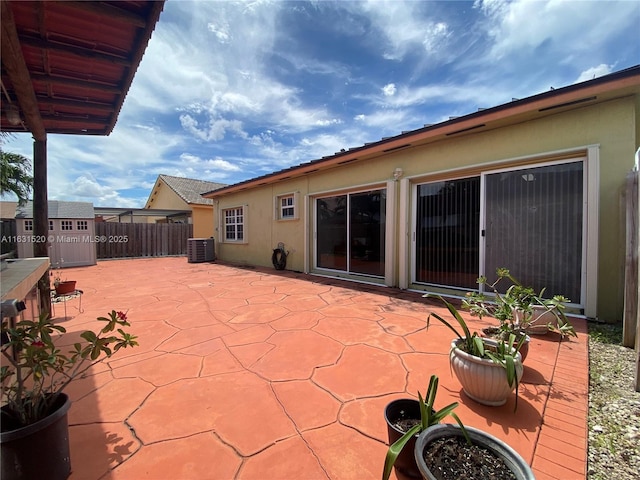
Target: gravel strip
(614,407)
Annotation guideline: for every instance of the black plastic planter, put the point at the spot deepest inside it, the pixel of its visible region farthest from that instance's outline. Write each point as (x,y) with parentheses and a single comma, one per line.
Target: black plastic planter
(398,410)
(40,450)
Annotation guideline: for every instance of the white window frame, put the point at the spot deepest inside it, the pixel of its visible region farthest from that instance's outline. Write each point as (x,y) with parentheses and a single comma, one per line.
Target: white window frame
(28,225)
(82,225)
(66,225)
(279,208)
(223,220)
(51,225)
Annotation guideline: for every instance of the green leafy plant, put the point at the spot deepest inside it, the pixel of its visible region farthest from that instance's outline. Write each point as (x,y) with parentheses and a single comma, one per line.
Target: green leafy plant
(504,353)
(428,418)
(519,307)
(37,371)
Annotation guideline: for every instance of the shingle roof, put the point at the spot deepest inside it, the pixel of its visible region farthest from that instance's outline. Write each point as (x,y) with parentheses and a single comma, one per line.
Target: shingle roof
(190,189)
(59,209)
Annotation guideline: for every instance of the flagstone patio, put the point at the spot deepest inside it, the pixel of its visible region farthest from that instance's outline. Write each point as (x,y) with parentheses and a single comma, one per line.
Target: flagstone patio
(261,374)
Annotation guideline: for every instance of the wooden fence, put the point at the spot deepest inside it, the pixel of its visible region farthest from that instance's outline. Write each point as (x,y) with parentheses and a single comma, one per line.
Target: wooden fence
(631,321)
(121,240)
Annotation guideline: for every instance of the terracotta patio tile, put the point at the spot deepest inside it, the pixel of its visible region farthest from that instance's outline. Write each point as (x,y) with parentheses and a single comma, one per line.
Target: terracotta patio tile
(302,302)
(297,321)
(112,402)
(552,448)
(162,370)
(220,361)
(351,331)
(198,457)
(401,324)
(254,334)
(188,320)
(222,304)
(247,355)
(295,355)
(288,459)
(302,287)
(308,405)
(367,415)
(107,444)
(333,310)
(560,467)
(194,336)
(345,454)
(245,293)
(420,367)
(266,298)
(258,313)
(189,307)
(362,371)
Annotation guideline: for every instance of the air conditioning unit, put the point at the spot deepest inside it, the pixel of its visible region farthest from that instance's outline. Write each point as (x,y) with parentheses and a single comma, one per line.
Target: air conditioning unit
(200,250)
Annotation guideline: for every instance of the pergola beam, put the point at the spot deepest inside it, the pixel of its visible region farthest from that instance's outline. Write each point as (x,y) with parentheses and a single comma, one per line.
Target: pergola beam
(16,68)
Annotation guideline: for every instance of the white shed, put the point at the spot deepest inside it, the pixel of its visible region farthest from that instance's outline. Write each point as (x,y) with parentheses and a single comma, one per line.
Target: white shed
(71,233)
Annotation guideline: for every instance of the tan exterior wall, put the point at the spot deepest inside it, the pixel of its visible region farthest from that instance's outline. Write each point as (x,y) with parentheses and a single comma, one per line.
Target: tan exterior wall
(168,199)
(612,125)
(202,219)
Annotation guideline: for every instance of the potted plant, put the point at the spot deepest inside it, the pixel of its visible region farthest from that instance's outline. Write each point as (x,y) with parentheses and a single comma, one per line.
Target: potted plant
(406,419)
(520,310)
(446,452)
(62,287)
(34,438)
(488,370)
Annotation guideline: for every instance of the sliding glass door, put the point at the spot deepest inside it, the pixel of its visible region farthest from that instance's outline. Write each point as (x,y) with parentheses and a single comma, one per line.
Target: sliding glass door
(447,226)
(529,220)
(350,232)
(534,224)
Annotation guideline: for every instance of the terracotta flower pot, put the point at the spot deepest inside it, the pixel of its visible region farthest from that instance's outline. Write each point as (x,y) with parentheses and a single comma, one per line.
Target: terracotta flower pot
(482,379)
(66,287)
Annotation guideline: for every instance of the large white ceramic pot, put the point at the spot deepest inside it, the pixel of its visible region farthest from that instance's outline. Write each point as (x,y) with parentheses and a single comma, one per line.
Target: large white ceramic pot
(537,321)
(482,379)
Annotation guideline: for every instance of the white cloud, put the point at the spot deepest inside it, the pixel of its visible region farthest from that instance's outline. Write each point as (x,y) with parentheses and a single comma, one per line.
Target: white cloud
(221,31)
(405,26)
(593,72)
(562,27)
(213,130)
(217,164)
(389,90)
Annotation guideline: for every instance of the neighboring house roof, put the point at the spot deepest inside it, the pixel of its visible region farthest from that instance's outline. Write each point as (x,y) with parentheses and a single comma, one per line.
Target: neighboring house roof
(59,209)
(8,210)
(608,87)
(188,189)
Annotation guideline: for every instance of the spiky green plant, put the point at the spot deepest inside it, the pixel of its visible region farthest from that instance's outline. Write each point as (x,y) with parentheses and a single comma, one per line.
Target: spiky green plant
(428,418)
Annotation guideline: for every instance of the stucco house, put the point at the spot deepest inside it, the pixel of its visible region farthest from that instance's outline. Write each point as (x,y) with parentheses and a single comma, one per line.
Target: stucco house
(533,185)
(179,193)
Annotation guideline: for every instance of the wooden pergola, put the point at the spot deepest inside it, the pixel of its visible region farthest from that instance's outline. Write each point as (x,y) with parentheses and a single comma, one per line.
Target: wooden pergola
(66,69)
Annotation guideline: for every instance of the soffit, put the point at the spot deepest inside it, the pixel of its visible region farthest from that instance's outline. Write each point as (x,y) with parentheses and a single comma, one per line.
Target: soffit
(67,66)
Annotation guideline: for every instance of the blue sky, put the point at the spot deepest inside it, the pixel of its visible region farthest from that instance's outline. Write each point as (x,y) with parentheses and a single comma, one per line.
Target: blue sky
(229,91)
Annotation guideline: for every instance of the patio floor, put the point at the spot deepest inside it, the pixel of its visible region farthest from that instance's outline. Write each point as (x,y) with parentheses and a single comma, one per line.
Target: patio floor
(260,374)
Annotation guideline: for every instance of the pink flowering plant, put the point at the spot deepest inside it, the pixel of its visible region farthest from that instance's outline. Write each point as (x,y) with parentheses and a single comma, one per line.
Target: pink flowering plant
(35,371)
